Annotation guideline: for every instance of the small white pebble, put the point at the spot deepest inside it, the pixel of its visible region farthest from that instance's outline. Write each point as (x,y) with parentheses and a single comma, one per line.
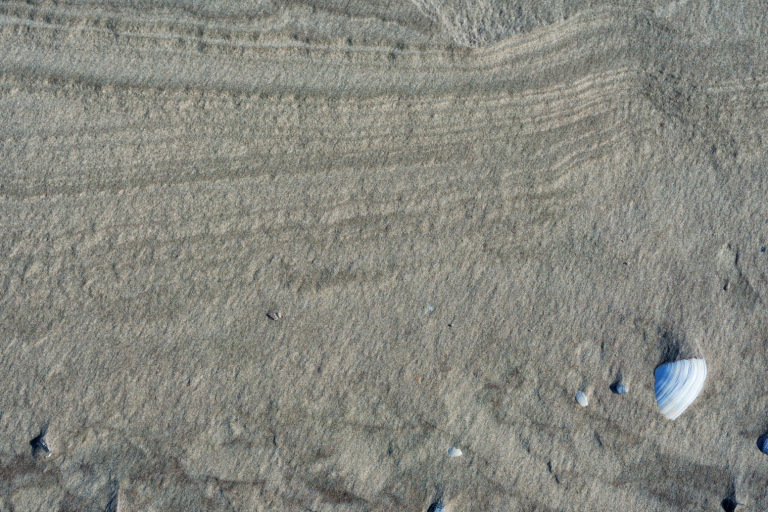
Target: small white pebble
(582,398)
(454,452)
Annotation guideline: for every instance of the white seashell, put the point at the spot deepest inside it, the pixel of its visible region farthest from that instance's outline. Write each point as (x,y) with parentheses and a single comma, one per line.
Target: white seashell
(678,384)
(582,399)
(762,443)
(621,389)
(455,452)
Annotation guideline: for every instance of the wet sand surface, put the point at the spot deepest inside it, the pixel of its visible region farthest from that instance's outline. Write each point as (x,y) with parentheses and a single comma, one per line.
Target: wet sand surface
(464,212)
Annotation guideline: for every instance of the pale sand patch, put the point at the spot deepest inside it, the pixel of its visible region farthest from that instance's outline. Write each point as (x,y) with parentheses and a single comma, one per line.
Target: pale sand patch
(463,212)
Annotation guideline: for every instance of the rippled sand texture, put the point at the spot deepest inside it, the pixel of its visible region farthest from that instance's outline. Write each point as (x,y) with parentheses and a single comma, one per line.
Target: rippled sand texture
(465,212)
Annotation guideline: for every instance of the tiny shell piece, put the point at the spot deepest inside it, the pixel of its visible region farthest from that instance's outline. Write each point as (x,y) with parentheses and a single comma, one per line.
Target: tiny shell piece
(762,443)
(274,314)
(38,443)
(437,507)
(582,398)
(620,389)
(454,452)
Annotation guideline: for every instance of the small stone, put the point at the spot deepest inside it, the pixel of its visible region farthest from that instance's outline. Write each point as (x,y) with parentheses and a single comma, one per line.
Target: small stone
(581,398)
(274,314)
(762,443)
(730,505)
(454,452)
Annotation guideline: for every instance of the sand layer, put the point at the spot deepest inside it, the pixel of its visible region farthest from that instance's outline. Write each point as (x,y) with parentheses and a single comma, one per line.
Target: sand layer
(465,213)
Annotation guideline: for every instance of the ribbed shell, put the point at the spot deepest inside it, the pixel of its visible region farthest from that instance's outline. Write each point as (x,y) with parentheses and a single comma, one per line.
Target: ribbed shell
(582,399)
(678,384)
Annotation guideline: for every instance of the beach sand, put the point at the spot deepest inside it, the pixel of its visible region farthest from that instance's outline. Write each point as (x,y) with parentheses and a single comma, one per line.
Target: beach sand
(464,212)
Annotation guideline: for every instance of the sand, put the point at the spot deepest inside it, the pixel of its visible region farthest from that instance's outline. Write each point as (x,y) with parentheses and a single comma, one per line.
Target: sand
(464,213)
